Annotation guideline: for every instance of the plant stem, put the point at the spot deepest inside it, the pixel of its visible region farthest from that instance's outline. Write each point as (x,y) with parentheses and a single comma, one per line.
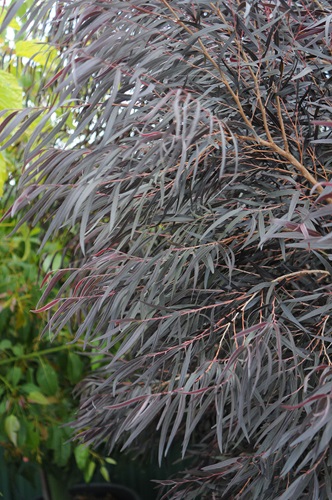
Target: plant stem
(303,272)
(287,156)
(36,354)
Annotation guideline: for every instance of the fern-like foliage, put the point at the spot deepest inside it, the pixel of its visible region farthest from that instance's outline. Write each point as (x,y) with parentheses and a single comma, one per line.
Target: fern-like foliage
(187,147)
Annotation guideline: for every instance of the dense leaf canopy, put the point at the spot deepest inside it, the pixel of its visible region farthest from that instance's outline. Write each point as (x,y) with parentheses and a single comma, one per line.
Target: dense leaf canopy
(187,147)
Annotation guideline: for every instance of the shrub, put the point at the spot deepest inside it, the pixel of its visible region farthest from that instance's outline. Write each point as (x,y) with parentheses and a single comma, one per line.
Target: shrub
(37,377)
(187,146)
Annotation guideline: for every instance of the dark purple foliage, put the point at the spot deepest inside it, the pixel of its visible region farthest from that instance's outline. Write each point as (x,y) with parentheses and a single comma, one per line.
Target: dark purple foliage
(194,175)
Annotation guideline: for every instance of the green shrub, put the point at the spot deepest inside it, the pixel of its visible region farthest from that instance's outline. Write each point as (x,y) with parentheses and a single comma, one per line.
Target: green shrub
(37,376)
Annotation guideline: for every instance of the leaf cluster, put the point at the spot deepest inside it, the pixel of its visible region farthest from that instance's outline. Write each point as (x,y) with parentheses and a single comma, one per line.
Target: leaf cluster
(37,377)
(195,178)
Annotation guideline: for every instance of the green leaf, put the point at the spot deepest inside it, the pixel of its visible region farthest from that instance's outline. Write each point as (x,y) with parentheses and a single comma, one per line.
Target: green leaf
(54,438)
(81,453)
(12,426)
(14,375)
(22,433)
(57,442)
(3,405)
(26,81)
(47,379)
(38,398)
(110,460)
(40,52)
(89,471)
(52,262)
(3,172)
(74,367)
(29,388)
(5,344)
(104,472)
(24,8)
(18,350)
(10,91)
(62,453)
(33,437)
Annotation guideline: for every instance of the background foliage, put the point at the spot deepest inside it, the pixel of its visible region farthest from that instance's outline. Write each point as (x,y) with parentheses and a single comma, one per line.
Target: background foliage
(37,376)
(187,148)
